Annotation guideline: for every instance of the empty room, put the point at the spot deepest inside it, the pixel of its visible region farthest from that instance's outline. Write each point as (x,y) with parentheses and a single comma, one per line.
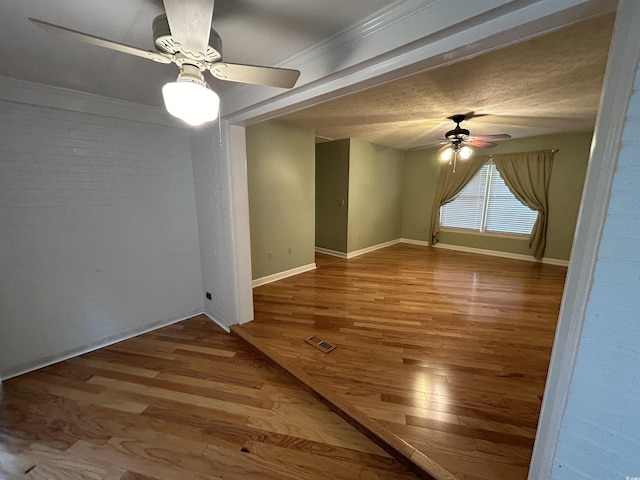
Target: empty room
(366,241)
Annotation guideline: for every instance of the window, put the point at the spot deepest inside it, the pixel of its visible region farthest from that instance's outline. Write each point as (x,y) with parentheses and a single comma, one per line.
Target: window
(485,204)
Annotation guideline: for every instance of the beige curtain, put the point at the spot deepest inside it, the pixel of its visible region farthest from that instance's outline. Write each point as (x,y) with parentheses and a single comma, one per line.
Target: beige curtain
(449,186)
(527,175)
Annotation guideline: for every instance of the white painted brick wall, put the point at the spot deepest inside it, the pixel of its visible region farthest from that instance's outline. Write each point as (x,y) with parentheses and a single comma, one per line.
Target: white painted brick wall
(212,179)
(98,232)
(600,433)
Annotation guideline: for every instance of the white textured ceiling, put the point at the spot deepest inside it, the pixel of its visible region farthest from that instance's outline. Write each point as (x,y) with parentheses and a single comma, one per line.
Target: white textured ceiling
(260,32)
(550,84)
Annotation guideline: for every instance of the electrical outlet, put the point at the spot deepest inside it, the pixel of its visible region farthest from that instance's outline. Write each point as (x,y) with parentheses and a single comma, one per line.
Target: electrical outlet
(208,295)
(290,251)
(268,255)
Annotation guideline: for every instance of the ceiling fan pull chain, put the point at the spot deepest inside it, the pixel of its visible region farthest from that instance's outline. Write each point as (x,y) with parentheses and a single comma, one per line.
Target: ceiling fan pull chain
(219,128)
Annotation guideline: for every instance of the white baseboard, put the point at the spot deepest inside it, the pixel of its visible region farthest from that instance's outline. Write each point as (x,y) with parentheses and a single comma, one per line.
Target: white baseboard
(217,322)
(554,261)
(372,248)
(333,253)
(411,241)
(460,248)
(496,253)
(105,342)
(280,275)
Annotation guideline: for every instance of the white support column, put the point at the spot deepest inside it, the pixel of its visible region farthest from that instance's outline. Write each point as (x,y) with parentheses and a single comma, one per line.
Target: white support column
(618,86)
(242,237)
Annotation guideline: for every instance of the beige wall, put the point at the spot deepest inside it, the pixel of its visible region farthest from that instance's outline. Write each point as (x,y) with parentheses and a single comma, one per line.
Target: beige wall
(376,178)
(565,193)
(332,194)
(281,177)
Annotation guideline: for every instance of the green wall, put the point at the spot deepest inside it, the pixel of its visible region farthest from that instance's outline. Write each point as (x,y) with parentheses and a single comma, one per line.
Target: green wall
(376,179)
(281,178)
(388,195)
(421,177)
(565,193)
(332,194)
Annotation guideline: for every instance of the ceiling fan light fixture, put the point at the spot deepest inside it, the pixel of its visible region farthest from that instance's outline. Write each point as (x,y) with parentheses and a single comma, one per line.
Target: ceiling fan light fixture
(465,152)
(446,154)
(191,100)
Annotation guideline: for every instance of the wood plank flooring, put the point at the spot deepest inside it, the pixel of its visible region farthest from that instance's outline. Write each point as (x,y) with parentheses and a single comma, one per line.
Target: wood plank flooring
(441,354)
(185,402)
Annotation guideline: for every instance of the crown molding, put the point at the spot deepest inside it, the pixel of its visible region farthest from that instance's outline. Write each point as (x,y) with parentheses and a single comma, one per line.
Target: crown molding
(21,91)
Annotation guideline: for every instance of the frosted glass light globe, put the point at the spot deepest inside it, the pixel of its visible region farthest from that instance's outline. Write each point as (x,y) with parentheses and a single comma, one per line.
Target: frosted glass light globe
(465,152)
(191,102)
(446,154)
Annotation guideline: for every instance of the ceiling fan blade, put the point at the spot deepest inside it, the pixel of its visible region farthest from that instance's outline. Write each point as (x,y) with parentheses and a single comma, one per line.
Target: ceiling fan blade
(273,77)
(470,115)
(429,145)
(498,136)
(481,144)
(100,42)
(466,116)
(190,23)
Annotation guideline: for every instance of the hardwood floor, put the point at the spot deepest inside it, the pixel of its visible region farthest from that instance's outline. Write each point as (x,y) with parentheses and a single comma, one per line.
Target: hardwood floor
(443,355)
(185,402)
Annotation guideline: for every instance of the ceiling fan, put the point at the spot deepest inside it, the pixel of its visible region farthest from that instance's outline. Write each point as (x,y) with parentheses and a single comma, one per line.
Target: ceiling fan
(183,36)
(457,142)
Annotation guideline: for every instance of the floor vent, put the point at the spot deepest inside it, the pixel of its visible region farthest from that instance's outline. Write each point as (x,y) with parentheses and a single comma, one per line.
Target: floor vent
(321,345)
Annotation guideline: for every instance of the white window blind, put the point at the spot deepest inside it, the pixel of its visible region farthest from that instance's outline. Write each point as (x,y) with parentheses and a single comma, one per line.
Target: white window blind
(466,210)
(485,204)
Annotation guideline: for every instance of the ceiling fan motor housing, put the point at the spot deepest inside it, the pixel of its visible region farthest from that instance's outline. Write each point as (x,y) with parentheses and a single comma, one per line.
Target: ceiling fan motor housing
(164,42)
(191,73)
(457,133)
